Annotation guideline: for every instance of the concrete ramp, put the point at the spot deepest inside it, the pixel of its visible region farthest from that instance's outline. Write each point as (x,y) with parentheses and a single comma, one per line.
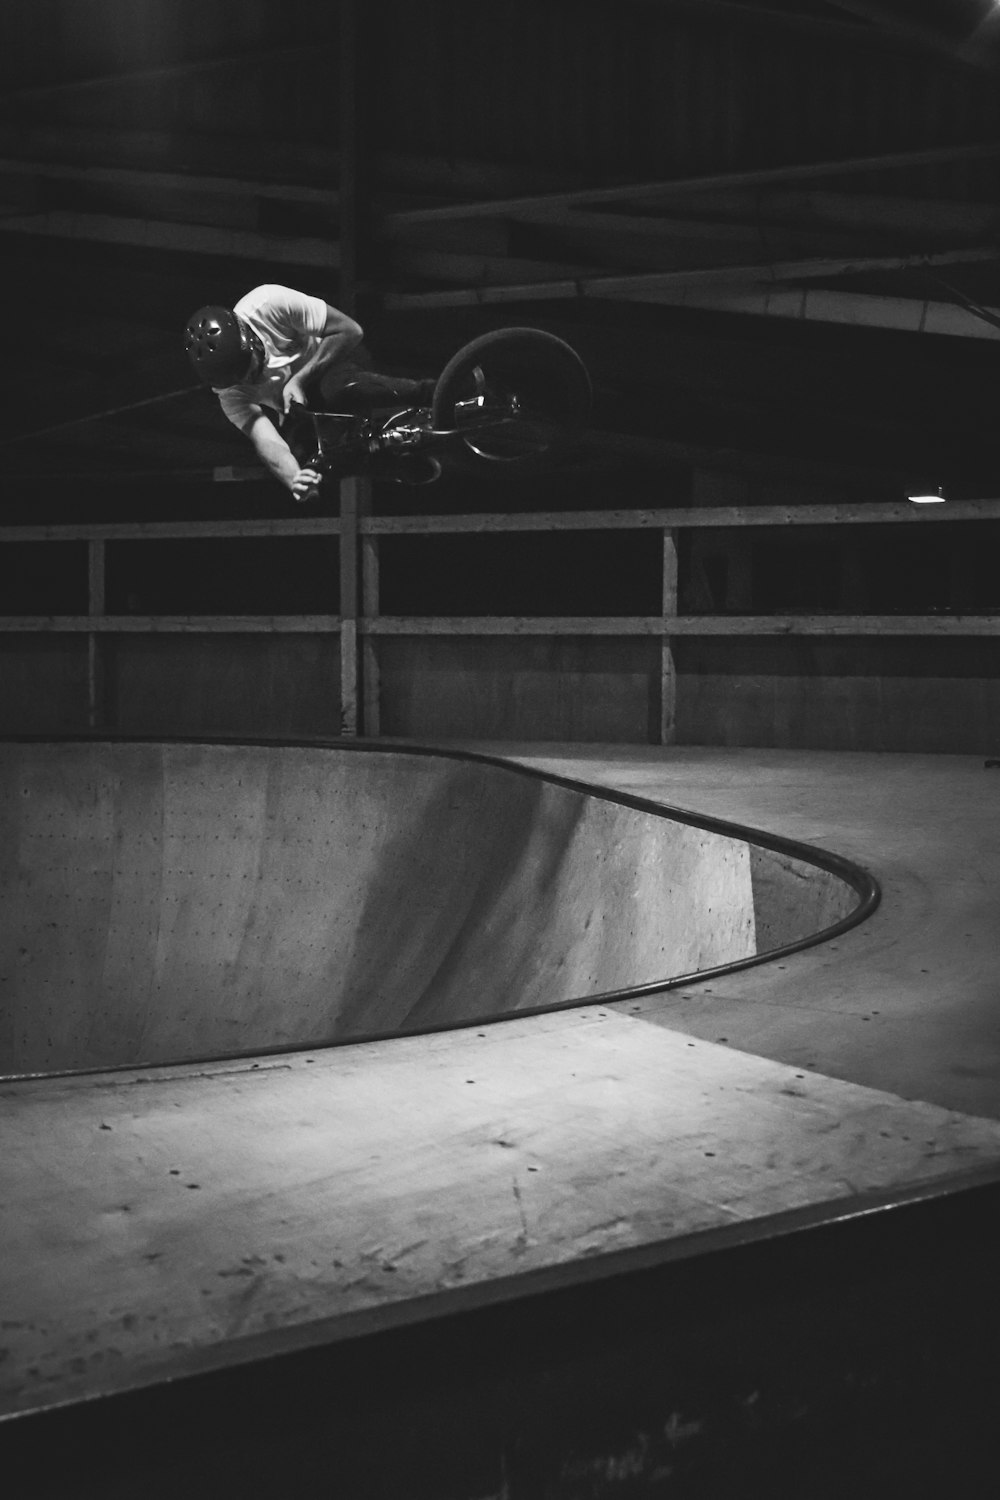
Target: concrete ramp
(171,901)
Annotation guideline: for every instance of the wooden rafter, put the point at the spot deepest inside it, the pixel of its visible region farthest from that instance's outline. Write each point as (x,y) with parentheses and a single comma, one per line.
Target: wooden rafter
(768,290)
(665,190)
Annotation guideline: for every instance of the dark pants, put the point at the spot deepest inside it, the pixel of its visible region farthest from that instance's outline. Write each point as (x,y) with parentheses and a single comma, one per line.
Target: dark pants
(355,387)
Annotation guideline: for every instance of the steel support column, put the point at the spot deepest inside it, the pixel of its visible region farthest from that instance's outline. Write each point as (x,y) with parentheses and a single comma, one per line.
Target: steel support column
(349,154)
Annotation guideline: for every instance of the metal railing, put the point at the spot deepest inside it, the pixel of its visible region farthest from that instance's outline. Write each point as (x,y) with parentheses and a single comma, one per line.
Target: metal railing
(359,622)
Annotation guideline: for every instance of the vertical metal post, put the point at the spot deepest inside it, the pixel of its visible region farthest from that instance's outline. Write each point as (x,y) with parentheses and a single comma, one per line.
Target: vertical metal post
(349,605)
(371,720)
(354,492)
(668,667)
(349,133)
(355,501)
(95,654)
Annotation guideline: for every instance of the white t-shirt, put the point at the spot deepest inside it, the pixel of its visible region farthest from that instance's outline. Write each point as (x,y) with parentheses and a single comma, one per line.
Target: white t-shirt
(290,325)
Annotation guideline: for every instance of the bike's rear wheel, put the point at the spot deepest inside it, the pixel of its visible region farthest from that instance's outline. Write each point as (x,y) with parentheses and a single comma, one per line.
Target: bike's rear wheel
(520,391)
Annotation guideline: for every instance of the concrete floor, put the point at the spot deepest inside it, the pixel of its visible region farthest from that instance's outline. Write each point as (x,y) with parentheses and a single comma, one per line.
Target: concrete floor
(166,1220)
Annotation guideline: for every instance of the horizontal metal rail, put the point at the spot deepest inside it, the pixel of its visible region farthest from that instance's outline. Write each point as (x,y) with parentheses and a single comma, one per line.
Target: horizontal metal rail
(170,624)
(686,517)
(482,625)
(167,531)
(666,518)
(693,625)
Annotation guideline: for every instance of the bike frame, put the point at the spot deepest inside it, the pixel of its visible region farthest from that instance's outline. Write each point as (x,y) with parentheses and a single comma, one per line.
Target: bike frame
(507,396)
(349,438)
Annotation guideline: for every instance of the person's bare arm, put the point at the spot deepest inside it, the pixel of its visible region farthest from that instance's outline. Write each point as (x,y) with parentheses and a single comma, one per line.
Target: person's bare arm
(340,335)
(272,449)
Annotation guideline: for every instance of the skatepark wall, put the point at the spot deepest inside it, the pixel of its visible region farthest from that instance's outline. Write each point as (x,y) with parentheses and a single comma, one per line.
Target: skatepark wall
(931,696)
(168,901)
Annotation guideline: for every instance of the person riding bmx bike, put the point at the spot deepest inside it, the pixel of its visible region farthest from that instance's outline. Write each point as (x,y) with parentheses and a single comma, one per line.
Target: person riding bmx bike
(278,353)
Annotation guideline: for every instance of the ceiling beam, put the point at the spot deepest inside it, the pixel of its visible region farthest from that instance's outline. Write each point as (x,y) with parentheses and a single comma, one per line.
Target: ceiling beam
(765,290)
(803,304)
(821,305)
(665,190)
(841,232)
(141,180)
(657,285)
(195,239)
(823,208)
(967,31)
(102,81)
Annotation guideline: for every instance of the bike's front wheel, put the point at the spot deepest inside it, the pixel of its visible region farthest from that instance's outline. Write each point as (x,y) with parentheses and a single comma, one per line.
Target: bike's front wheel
(518,391)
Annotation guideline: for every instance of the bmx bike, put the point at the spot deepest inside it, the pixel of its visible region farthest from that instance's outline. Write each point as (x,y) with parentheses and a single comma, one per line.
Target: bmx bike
(506,398)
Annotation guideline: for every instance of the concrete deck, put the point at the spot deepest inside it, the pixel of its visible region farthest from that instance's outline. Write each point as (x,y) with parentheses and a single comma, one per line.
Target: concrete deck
(165,1220)
(909,1001)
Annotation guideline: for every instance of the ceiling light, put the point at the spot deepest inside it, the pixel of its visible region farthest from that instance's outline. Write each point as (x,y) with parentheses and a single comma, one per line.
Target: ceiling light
(928,496)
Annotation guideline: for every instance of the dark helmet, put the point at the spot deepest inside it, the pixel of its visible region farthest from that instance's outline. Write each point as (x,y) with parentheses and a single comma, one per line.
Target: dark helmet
(221,346)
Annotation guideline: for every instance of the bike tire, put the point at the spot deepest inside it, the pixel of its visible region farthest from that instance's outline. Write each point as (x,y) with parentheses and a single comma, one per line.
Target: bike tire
(545,373)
